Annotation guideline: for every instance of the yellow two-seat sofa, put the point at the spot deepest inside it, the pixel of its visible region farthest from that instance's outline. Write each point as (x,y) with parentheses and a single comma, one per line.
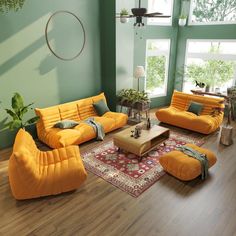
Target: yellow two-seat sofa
(78,111)
(176,114)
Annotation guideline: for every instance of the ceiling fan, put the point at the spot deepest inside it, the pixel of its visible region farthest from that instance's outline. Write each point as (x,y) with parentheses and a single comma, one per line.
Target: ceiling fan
(140,12)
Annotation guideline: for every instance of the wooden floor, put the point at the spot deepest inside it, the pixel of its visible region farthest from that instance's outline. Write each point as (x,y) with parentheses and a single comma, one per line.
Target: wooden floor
(169,207)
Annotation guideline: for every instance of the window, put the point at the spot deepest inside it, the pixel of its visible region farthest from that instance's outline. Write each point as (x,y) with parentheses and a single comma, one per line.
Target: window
(212,63)
(212,11)
(162,6)
(157,63)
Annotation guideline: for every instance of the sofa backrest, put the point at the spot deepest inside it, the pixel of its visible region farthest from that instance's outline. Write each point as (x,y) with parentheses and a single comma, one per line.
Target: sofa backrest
(24,149)
(24,141)
(76,110)
(182,101)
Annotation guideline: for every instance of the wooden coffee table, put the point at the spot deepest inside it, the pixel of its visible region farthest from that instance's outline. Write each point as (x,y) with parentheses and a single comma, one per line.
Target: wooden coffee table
(148,140)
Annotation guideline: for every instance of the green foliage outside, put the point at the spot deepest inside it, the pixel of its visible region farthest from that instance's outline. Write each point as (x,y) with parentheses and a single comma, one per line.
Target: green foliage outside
(11,5)
(155,72)
(215,10)
(18,112)
(213,73)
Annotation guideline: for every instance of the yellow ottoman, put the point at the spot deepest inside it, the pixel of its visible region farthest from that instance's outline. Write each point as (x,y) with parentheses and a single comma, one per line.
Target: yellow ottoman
(184,167)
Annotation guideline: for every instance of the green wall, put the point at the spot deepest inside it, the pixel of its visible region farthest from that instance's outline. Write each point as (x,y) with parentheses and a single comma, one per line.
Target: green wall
(159,32)
(28,67)
(108,50)
(124,49)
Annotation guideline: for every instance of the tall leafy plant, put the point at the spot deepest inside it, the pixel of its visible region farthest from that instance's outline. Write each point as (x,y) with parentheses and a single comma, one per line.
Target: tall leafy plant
(11,5)
(18,112)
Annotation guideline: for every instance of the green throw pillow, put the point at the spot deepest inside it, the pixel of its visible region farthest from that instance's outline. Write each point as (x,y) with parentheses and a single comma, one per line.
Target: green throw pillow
(195,108)
(66,124)
(101,107)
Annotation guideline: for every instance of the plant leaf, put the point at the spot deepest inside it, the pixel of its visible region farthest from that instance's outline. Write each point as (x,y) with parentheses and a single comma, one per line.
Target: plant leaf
(32,120)
(15,124)
(12,114)
(17,102)
(25,109)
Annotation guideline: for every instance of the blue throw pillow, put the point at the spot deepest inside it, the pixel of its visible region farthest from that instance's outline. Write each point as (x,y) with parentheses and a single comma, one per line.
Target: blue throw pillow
(101,107)
(195,108)
(66,124)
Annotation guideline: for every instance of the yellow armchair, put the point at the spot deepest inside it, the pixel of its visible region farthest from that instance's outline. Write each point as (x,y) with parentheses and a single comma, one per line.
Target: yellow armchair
(34,173)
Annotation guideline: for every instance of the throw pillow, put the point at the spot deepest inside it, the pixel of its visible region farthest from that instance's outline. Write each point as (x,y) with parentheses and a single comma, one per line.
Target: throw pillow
(101,107)
(66,124)
(195,108)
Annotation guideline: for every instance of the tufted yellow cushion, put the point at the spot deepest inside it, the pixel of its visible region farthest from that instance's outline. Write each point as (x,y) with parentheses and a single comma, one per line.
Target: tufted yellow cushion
(178,115)
(184,167)
(33,173)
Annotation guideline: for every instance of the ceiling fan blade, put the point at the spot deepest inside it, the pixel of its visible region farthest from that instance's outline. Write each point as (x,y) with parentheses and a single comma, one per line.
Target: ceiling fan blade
(129,16)
(153,13)
(160,16)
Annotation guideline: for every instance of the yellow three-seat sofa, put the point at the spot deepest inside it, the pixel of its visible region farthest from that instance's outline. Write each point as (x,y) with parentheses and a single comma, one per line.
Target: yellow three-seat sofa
(176,114)
(78,111)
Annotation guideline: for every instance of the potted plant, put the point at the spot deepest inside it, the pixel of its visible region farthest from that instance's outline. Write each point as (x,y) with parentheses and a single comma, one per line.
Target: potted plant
(17,113)
(124,16)
(15,5)
(133,99)
(182,20)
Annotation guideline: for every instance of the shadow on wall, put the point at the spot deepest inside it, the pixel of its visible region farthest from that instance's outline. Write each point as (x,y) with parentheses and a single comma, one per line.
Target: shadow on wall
(22,55)
(121,70)
(28,67)
(46,65)
(23,18)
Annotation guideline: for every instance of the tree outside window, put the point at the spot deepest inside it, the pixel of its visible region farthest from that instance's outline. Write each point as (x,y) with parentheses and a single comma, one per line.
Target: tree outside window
(214,73)
(214,10)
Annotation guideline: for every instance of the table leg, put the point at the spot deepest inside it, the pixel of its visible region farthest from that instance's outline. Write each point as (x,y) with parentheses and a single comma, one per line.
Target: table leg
(121,108)
(147,115)
(232,109)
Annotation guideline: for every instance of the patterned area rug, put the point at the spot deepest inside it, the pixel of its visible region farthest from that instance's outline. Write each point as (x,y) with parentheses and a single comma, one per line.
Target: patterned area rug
(123,170)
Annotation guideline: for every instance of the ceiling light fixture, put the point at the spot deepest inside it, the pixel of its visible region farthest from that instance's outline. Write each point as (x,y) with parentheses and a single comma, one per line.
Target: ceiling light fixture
(141,12)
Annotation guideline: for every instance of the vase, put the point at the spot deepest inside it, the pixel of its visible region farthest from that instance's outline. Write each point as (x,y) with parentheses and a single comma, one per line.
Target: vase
(182,22)
(124,19)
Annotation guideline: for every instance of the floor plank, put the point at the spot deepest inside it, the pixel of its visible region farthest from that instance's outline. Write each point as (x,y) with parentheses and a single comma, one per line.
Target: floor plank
(169,207)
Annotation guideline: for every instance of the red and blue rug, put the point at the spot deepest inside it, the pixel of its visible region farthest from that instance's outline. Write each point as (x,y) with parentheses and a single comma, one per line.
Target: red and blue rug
(123,169)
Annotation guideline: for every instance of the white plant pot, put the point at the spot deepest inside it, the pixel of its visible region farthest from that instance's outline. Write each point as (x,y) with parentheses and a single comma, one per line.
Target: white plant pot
(124,19)
(182,22)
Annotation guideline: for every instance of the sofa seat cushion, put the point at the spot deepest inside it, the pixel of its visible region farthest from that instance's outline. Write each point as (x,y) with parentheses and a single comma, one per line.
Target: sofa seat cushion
(204,123)
(119,118)
(81,133)
(108,124)
(184,167)
(56,138)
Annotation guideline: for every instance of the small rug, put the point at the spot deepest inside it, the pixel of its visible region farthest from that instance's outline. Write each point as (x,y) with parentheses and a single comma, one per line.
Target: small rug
(123,169)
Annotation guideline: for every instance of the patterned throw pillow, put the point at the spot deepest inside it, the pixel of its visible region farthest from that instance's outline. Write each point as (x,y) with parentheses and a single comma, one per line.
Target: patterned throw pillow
(66,124)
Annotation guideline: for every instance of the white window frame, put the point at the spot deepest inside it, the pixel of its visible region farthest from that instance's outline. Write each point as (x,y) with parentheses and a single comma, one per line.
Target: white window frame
(167,65)
(229,57)
(164,24)
(190,21)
